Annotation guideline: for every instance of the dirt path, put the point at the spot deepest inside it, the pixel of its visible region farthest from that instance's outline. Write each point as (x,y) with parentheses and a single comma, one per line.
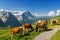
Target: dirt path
(47,34)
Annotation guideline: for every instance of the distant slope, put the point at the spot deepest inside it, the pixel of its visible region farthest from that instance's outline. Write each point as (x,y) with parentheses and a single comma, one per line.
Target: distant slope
(56,17)
(44,18)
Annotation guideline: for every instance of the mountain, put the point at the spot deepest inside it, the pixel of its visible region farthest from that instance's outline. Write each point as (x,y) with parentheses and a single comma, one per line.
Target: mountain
(18,14)
(4,15)
(24,17)
(17,18)
(1,23)
(27,17)
(12,21)
(9,19)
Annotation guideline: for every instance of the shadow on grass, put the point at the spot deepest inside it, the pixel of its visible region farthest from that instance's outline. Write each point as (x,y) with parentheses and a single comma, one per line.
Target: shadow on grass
(41,31)
(57,24)
(27,34)
(31,30)
(48,30)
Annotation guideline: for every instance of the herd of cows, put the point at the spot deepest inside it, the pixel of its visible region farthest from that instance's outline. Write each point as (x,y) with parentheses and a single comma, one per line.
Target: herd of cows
(25,27)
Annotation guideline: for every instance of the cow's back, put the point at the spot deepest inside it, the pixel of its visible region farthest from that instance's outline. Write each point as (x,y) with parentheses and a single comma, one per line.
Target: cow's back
(15,30)
(41,23)
(26,25)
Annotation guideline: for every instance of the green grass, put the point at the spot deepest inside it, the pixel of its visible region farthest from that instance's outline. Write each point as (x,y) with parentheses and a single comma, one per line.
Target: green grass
(5,32)
(5,35)
(52,25)
(56,36)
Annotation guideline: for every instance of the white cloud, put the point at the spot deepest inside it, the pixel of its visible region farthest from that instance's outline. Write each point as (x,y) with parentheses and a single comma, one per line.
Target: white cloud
(36,14)
(8,10)
(39,14)
(17,12)
(51,13)
(58,12)
(1,9)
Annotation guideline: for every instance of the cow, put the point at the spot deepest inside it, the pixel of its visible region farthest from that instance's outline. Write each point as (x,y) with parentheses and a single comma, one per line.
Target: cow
(54,21)
(16,30)
(41,24)
(26,27)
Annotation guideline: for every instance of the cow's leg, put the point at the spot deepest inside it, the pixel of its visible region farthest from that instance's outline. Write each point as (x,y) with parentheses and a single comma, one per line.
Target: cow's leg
(32,29)
(24,31)
(45,27)
(36,28)
(12,36)
(21,32)
(27,29)
(54,22)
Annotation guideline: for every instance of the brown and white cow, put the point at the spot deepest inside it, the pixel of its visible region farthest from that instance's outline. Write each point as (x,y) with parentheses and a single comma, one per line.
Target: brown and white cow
(54,21)
(26,27)
(41,24)
(16,30)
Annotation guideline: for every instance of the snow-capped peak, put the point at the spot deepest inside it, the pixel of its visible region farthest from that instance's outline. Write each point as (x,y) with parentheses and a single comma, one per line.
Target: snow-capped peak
(17,12)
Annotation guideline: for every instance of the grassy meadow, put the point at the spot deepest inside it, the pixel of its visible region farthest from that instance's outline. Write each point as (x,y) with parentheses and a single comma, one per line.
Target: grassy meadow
(53,25)
(5,32)
(5,35)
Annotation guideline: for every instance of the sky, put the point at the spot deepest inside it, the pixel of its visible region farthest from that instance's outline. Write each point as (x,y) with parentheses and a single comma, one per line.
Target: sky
(42,7)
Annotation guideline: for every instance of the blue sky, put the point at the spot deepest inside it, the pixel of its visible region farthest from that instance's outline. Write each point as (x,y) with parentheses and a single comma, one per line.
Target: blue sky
(34,6)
